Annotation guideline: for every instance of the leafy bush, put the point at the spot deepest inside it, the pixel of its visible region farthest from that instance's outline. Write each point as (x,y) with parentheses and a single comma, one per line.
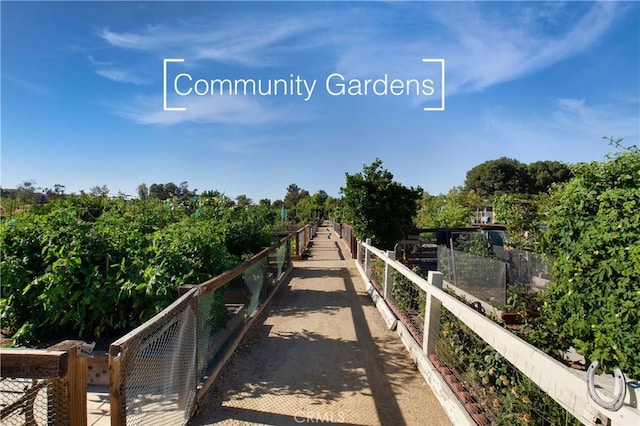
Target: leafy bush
(92,266)
(594,233)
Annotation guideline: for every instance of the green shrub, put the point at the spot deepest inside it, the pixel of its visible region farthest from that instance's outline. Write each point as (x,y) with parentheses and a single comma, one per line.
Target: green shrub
(594,234)
(92,266)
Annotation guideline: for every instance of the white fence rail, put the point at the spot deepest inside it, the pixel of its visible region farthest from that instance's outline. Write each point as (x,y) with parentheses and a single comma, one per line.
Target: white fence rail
(568,387)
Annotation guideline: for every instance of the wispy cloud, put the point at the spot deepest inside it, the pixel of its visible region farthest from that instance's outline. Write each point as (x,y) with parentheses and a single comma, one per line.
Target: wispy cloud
(580,118)
(230,110)
(251,43)
(121,76)
(494,49)
(568,127)
(484,45)
(28,85)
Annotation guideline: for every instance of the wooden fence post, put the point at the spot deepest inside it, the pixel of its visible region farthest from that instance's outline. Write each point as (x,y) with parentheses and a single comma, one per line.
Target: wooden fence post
(76,379)
(77,388)
(116,386)
(432,315)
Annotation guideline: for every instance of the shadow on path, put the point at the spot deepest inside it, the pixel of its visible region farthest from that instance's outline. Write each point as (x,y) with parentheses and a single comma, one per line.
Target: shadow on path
(319,354)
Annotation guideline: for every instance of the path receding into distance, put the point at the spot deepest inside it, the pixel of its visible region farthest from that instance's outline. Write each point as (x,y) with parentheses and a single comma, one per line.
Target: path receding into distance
(321,353)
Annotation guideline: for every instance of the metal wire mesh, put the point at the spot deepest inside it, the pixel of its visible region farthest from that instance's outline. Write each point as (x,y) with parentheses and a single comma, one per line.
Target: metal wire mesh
(282,260)
(492,389)
(525,266)
(209,322)
(408,301)
(32,401)
(20,402)
(375,269)
(479,276)
(158,368)
(254,280)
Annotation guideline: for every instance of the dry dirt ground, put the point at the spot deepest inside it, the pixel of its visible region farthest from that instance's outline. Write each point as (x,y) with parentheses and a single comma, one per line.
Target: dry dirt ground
(321,353)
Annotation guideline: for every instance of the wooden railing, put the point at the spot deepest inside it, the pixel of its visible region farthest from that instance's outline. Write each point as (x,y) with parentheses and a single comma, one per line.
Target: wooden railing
(44,386)
(160,371)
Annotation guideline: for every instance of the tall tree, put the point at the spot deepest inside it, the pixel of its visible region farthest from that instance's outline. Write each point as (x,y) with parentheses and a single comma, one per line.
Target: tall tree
(265,202)
(99,191)
(243,201)
(377,207)
(504,175)
(143,191)
(156,190)
(171,189)
(545,173)
(292,197)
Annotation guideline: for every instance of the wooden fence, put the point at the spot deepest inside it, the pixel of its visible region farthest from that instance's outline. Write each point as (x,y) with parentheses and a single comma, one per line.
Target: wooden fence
(44,386)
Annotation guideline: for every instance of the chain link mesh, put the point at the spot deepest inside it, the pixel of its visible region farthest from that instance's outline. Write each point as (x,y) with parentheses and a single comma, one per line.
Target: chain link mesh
(162,365)
(207,326)
(158,368)
(33,401)
(254,280)
(282,259)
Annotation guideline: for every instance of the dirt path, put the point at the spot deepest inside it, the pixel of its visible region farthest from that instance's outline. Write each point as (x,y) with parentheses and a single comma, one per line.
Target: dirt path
(321,354)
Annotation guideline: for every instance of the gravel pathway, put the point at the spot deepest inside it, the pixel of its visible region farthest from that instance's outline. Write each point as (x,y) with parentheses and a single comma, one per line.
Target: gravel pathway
(321,353)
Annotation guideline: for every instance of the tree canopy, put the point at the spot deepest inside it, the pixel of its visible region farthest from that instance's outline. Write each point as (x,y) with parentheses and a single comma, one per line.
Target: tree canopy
(451,210)
(510,176)
(377,207)
(504,175)
(543,174)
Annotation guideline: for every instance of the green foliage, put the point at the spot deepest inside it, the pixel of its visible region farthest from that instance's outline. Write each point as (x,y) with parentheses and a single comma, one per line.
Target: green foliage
(377,207)
(93,266)
(447,211)
(248,230)
(521,213)
(476,244)
(594,233)
(509,176)
(504,175)
(507,396)
(407,296)
(543,174)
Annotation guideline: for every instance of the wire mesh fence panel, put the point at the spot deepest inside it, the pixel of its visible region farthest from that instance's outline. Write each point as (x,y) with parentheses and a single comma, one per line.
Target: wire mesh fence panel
(360,255)
(33,401)
(482,277)
(346,233)
(282,259)
(301,242)
(408,301)
(375,270)
(525,266)
(491,389)
(158,367)
(212,317)
(254,280)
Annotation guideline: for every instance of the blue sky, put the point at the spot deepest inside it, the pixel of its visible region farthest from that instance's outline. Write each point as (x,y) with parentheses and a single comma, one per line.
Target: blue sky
(82,91)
